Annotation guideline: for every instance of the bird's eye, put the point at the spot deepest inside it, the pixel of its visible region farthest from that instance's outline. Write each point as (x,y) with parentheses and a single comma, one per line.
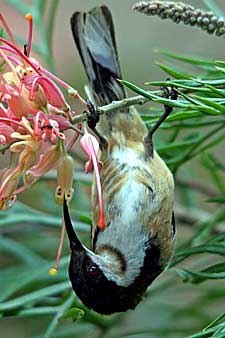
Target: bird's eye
(93,271)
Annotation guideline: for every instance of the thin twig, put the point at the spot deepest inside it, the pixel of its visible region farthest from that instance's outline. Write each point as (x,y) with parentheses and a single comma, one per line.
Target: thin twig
(121,104)
(116,105)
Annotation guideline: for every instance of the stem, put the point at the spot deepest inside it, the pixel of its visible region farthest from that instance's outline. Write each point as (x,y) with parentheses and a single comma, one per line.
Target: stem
(127,102)
(62,309)
(116,105)
(53,270)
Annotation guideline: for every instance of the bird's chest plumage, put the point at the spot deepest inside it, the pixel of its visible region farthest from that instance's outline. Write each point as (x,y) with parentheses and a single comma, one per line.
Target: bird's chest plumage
(134,197)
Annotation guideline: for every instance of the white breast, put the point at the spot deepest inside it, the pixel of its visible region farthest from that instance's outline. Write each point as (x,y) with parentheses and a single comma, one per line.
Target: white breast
(125,231)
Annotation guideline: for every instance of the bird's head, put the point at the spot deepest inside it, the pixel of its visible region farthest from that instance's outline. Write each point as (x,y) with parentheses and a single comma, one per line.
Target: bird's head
(97,282)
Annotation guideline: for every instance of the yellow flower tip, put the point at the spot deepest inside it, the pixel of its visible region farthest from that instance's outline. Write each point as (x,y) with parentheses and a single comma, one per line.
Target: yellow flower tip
(28,17)
(53,272)
(59,196)
(60,193)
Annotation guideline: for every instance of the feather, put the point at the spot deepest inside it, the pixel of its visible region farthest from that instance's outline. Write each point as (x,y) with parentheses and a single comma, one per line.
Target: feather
(95,39)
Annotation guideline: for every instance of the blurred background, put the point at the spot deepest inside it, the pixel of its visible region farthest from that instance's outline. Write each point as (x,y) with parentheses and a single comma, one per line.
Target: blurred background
(138,37)
(172,308)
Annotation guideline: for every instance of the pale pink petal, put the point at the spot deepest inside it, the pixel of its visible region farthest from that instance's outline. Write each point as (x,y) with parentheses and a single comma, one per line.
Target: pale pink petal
(9,182)
(62,121)
(91,146)
(2,139)
(52,92)
(3,111)
(88,166)
(46,162)
(55,128)
(5,133)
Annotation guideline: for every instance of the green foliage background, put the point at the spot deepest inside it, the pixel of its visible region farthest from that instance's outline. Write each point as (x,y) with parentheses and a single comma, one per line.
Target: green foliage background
(188,299)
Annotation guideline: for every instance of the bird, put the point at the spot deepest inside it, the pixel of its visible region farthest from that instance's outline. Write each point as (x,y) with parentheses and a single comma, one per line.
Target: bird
(137,242)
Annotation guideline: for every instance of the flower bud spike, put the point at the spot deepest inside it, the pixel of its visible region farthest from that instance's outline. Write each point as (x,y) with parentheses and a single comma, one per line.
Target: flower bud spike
(180,12)
(29,18)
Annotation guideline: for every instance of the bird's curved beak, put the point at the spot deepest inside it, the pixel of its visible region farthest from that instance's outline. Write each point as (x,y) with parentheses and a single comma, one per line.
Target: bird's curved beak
(75,243)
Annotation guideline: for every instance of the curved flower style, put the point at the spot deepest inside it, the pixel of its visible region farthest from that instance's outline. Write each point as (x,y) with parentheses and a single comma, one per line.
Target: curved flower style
(91,147)
(34,120)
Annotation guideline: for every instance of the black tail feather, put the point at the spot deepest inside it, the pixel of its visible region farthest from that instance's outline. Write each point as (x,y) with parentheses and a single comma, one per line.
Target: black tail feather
(94,35)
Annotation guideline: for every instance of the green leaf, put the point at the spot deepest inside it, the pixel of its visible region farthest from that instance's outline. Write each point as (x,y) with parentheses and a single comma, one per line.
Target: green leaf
(211,103)
(173,72)
(203,62)
(219,199)
(172,103)
(198,277)
(219,92)
(62,309)
(35,296)
(215,321)
(183,116)
(21,213)
(186,83)
(20,251)
(73,313)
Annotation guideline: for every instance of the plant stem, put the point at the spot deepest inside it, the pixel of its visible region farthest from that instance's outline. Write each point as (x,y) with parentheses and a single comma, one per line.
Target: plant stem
(62,309)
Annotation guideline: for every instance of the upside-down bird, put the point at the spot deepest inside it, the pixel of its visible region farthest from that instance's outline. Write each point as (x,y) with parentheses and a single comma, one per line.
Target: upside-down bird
(138,188)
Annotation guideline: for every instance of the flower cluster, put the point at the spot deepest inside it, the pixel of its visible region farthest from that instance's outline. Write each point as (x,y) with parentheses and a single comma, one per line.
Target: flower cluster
(178,11)
(34,120)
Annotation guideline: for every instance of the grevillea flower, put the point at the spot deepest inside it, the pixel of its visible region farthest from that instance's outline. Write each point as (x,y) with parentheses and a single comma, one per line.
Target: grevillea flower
(90,146)
(5,133)
(34,120)
(47,161)
(9,180)
(34,116)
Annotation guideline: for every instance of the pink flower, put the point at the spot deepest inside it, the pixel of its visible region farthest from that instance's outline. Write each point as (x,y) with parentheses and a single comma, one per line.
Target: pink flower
(9,179)
(46,162)
(53,94)
(5,133)
(50,129)
(90,146)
